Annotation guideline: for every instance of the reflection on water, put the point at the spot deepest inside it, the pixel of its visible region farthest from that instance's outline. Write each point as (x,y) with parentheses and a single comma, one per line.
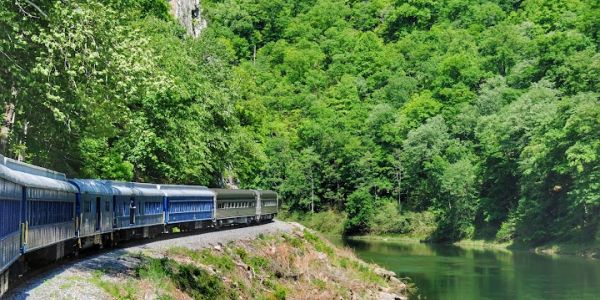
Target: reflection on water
(451,272)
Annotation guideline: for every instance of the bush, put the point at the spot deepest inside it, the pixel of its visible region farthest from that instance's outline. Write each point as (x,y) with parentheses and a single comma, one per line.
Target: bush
(328,221)
(359,207)
(387,219)
(192,280)
(506,233)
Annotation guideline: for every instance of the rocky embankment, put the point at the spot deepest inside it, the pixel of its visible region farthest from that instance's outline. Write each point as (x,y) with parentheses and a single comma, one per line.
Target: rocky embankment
(272,261)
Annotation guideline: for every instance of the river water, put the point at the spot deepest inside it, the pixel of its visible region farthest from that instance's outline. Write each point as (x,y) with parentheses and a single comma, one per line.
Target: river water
(451,272)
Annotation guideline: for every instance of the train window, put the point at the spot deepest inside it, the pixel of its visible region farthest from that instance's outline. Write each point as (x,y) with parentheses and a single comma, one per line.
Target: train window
(152,208)
(107,206)
(87,206)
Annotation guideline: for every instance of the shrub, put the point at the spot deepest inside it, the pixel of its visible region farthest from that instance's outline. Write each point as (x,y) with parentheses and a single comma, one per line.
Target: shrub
(359,207)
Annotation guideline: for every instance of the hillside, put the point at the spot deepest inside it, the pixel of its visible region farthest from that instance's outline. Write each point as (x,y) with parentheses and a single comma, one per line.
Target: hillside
(481,116)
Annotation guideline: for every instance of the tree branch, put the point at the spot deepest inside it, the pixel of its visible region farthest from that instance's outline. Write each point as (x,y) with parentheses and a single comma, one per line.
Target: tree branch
(37,8)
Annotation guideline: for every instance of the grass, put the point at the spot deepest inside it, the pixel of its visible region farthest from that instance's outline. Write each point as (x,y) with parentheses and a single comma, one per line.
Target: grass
(192,280)
(204,256)
(587,249)
(319,243)
(120,291)
(328,222)
(301,264)
(387,221)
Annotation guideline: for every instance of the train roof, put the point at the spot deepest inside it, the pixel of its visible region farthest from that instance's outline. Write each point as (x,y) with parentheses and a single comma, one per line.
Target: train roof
(173,190)
(233,194)
(133,188)
(33,176)
(92,186)
(148,189)
(267,194)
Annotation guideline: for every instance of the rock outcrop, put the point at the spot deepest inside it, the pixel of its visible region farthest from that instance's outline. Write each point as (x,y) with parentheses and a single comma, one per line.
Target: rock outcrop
(189,14)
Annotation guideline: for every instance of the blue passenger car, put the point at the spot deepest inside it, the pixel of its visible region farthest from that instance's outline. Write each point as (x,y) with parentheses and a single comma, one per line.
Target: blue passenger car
(11,196)
(47,210)
(94,207)
(184,203)
(136,204)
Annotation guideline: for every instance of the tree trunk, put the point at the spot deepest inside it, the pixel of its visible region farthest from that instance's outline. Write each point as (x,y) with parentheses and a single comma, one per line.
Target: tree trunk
(399,178)
(21,155)
(312,194)
(9,119)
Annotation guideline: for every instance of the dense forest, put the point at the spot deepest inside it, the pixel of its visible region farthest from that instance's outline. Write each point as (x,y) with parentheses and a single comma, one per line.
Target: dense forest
(482,114)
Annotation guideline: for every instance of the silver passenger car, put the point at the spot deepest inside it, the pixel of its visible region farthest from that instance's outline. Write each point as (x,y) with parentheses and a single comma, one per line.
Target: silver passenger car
(268,205)
(235,206)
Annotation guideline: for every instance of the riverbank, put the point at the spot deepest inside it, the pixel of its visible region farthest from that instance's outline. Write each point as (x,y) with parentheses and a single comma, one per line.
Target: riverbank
(420,226)
(279,260)
(588,250)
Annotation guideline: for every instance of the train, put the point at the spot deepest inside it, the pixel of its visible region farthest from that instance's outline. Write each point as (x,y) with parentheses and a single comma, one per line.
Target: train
(45,215)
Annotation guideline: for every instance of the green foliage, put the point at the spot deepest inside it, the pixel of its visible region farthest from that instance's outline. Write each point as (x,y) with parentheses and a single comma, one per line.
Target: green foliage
(318,243)
(359,207)
(328,221)
(192,280)
(389,220)
(482,113)
(121,291)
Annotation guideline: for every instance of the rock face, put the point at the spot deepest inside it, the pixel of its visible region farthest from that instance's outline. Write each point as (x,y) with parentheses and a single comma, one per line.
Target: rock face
(189,14)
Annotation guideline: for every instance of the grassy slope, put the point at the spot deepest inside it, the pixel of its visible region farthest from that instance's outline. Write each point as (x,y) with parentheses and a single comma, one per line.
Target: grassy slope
(301,265)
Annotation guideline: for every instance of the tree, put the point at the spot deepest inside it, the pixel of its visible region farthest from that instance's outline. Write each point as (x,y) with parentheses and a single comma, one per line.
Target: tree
(360,211)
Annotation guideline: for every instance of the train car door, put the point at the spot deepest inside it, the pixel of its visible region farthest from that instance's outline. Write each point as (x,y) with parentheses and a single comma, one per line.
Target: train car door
(98,213)
(132,208)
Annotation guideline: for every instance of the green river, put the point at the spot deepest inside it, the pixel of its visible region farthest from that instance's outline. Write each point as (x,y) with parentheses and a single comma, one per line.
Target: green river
(451,272)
